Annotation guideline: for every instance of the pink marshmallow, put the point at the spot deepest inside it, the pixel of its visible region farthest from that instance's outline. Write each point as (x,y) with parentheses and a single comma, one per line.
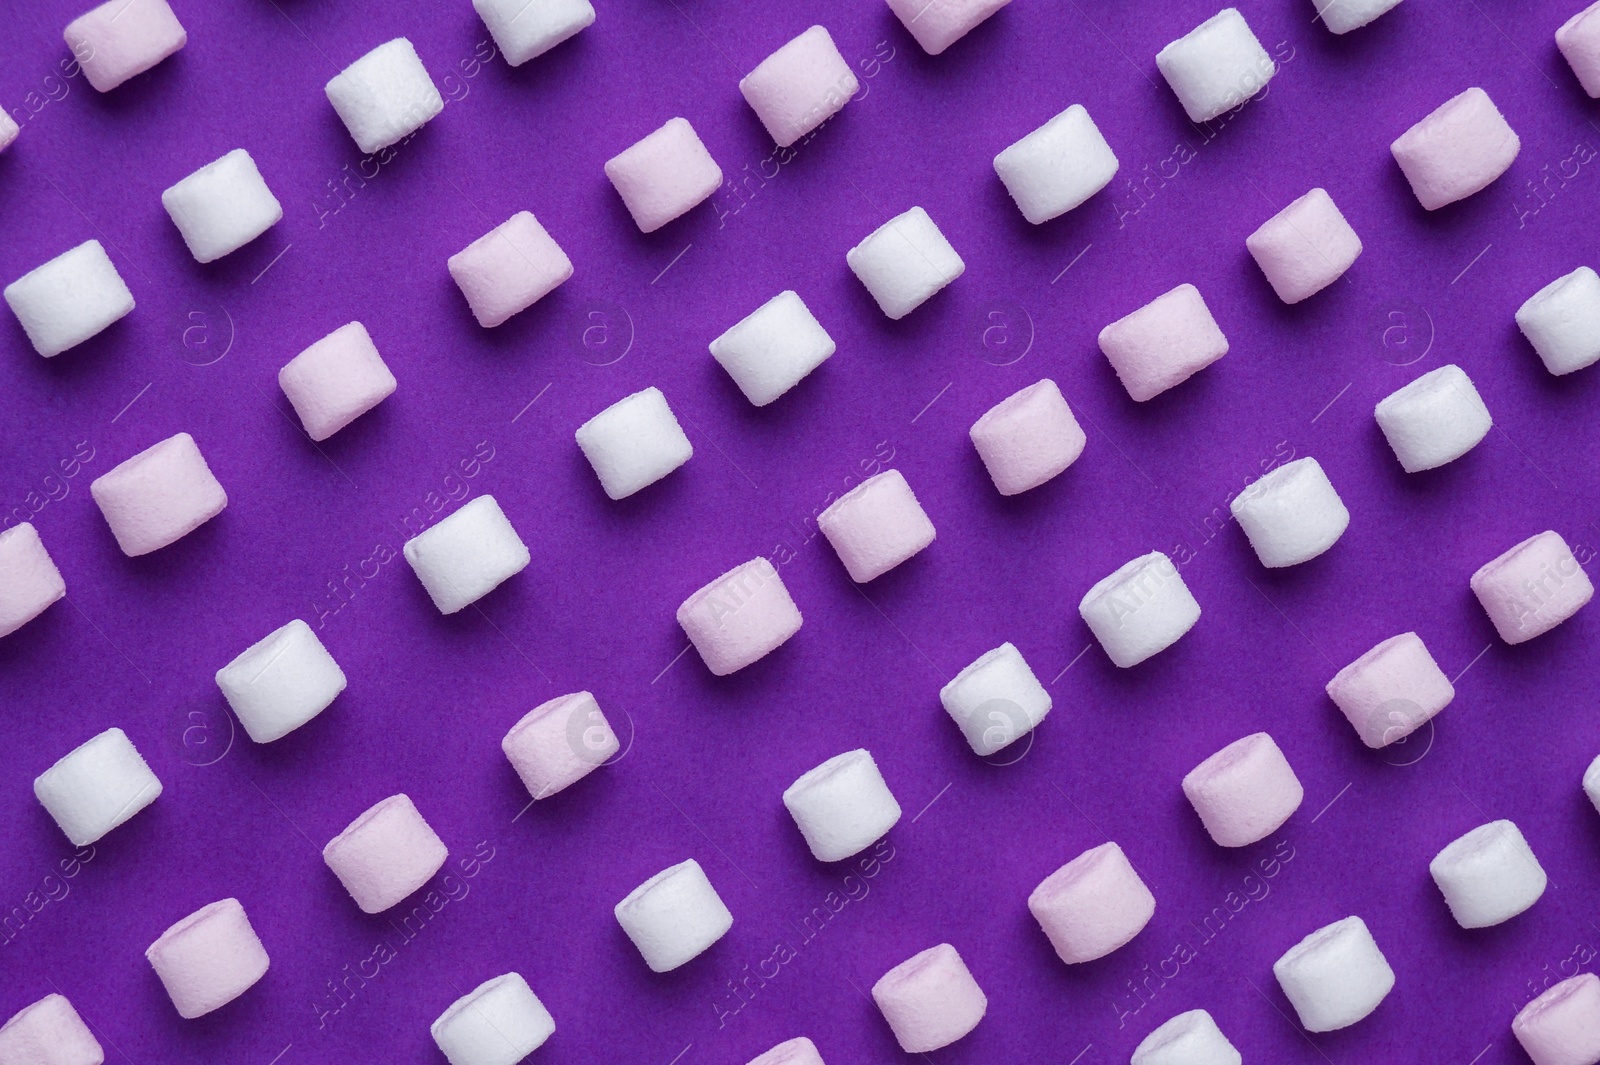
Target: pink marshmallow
(930,1000)
(1579,41)
(1392,690)
(800,86)
(159,496)
(1457,150)
(29,580)
(509,269)
(1532,588)
(937,24)
(559,742)
(1244,792)
(1163,343)
(1562,1026)
(386,854)
(49,1032)
(1028,438)
(209,958)
(336,380)
(123,38)
(1093,905)
(1305,247)
(665,175)
(741,617)
(876,525)
(801,1051)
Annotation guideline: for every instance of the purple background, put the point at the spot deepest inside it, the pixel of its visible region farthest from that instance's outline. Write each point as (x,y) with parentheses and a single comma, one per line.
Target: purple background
(430,696)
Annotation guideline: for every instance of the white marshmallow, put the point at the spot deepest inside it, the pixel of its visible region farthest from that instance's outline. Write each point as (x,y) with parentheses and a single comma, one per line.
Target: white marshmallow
(467,555)
(1057,166)
(8,129)
(1291,515)
(499,1022)
(843,806)
(385,96)
(1342,16)
(1434,420)
(97,787)
(49,1032)
(1191,1038)
(904,262)
(1488,875)
(1139,610)
(524,29)
(1216,66)
(69,299)
(773,348)
(996,700)
(799,1051)
(1561,321)
(1336,976)
(634,443)
(674,916)
(281,682)
(222,206)
(1591,783)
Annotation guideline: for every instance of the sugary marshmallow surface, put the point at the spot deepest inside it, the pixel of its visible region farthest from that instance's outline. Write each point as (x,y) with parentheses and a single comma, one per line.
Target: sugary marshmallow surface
(1562,1026)
(773,348)
(904,262)
(1488,875)
(467,555)
(222,206)
(499,1022)
(1305,247)
(1336,976)
(843,806)
(509,269)
(801,1051)
(664,175)
(1591,783)
(1163,343)
(1139,610)
(280,682)
(1579,42)
(1093,905)
(739,618)
(1291,515)
(996,700)
(29,580)
(98,786)
(559,742)
(69,299)
(49,1032)
(876,525)
(1342,16)
(1191,1038)
(1532,588)
(123,38)
(1434,420)
(800,86)
(1392,690)
(1244,792)
(523,30)
(1028,438)
(385,854)
(674,916)
(159,496)
(336,380)
(1216,66)
(930,1000)
(1562,321)
(385,96)
(1057,166)
(634,443)
(937,24)
(1462,146)
(209,958)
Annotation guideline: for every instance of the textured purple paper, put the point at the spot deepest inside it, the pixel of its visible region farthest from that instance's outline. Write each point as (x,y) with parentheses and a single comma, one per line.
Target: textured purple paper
(430,696)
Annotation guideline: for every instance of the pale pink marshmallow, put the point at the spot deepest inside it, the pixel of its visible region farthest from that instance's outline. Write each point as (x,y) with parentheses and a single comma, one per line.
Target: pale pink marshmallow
(159,496)
(1305,247)
(1093,905)
(801,1051)
(559,742)
(49,1032)
(1028,438)
(386,854)
(1244,792)
(209,958)
(930,1000)
(665,175)
(1163,343)
(29,580)
(800,86)
(336,380)
(741,617)
(123,38)
(1562,1026)
(937,24)
(1392,690)
(1462,146)
(1579,41)
(8,130)
(876,525)
(509,269)
(1532,588)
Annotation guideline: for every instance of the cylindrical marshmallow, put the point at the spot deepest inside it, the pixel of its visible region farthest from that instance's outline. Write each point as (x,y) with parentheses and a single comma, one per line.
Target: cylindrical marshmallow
(996,700)
(674,916)
(1562,1026)
(222,206)
(1591,783)
(1291,515)
(336,380)
(1457,150)
(800,1051)
(1532,588)
(1562,320)
(1434,420)
(159,496)
(904,262)
(385,96)
(876,525)
(509,269)
(29,580)
(1058,166)
(1488,875)
(664,175)
(499,1022)
(773,348)
(800,86)
(1342,16)
(843,806)
(1141,609)
(930,1000)
(1579,42)
(1392,690)
(937,24)
(739,618)
(69,299)
(1163,343)
(122,39)
(49,1032)
(97,787)
(559,742)
(1244,792)
(209,958)
(523,31)
(385,854)
(634,443)
(282,681)
(1093,905)
(1336,976)
(1028,437)
(1216,66)
(1191,1038)
(1305,247)
(467,555)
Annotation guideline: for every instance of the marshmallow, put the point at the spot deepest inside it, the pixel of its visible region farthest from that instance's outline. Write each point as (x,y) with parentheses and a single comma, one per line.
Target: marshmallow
(1141,609)
(1057,166)
(123,38)
(385,96)
(1579,42)
(1434,420)
(1562,321)
(930,1000)
(1392,690)
(1163,343)
(509,269)
(1191,1038)
(801,1051)
(385,854)
(336,380)
(1462,146)
(773,348)
(467,555)
(222,206)
(634,443)
(904,262)
(69,299)
(1027,438)
(559,742)
(1562,1026)
(49,1032)
(1335,976)
(876,525)
(281,682)
(674,916)
(98,786)
(1532,588)
(739,618)
(800,86)
(842,807)
(29,580)
(1342,16)
(665,175)
(1093,905)
(996,700)
(8,130)
(209,958)
(159,496)
(524,30)
(1216,66)
(1591,783)
(1291,515)
(1244,792)
(1488,875)
(1305,247)
(937,24)
(499,1022)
